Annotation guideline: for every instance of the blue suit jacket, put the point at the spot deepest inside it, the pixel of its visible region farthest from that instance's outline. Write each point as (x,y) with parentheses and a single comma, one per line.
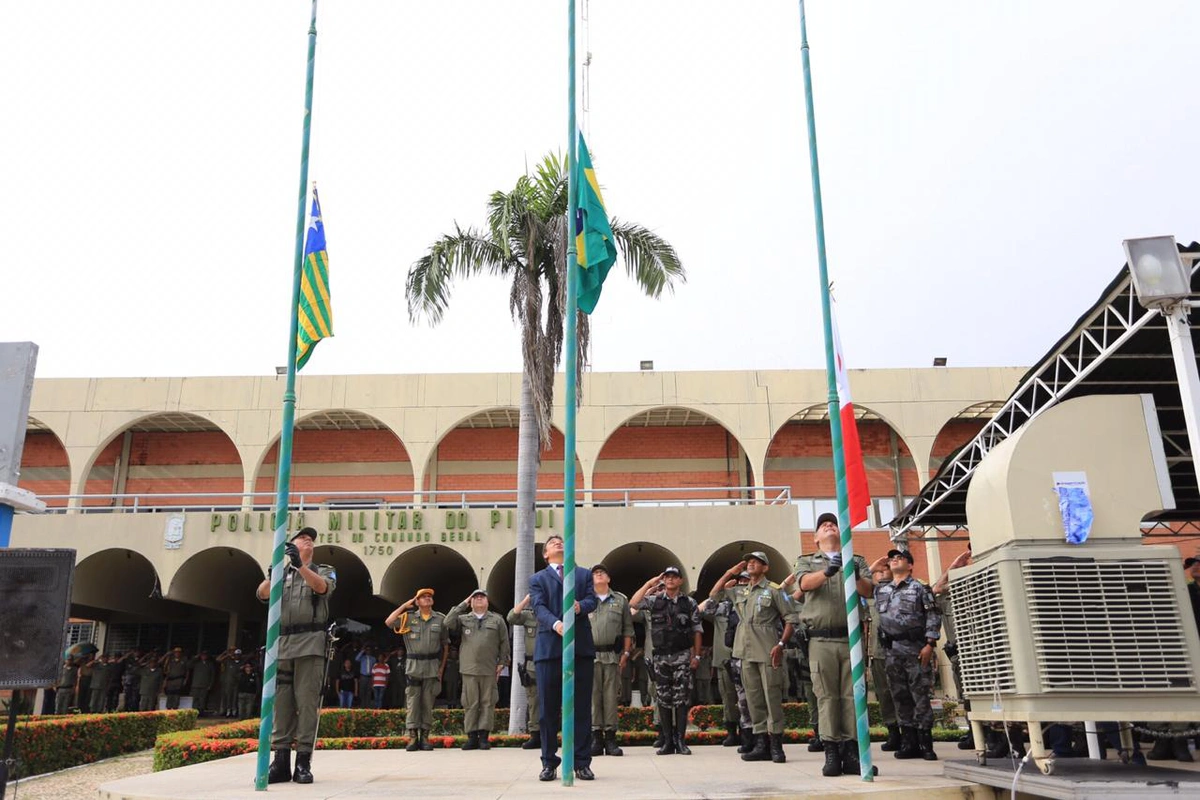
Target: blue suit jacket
(546,597)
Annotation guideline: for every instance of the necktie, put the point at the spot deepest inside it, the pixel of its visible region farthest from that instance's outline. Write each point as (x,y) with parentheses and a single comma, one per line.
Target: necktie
(558,569)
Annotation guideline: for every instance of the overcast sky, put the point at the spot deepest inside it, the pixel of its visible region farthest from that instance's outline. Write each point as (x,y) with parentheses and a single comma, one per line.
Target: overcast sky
(981,161)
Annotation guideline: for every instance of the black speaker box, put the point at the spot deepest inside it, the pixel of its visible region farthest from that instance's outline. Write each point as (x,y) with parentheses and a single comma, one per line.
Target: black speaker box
(35,601)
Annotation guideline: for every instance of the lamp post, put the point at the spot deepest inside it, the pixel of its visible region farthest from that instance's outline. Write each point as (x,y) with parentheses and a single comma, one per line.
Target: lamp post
(1164,284)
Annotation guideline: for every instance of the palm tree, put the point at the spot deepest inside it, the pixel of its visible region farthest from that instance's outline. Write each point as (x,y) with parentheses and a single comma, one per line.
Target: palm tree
(525,241)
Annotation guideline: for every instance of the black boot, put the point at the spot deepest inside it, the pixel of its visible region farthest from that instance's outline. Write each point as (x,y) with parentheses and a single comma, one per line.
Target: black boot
(761,751)
(909,746)
(681,723)
(281,767)
(1180,748)
(597,743)
(833,760)
(997,743)
(661,741)
(850,763)
(747,740)
(667,726)
(925,742)
(610,744)
(303,773)
(1162,750)
(776,743)
(534,742)
(481,738)
(732,739)
(815,745)
(472,742)
(423,736)
(967,742)
(414,741)
(893,740)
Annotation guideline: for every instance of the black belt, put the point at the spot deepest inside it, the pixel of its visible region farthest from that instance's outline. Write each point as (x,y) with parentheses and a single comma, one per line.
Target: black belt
(424,656)
(303,627)
(915,635)
(610,648)
(829,633)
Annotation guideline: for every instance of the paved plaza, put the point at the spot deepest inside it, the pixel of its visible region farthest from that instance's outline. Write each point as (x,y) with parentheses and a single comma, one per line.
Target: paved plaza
(712,772)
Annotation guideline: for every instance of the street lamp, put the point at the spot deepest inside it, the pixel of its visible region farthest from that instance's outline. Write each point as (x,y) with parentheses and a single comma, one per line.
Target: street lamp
(1164,284)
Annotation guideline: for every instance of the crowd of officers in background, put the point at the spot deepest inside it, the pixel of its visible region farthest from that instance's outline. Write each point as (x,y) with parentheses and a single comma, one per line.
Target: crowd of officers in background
(228,685)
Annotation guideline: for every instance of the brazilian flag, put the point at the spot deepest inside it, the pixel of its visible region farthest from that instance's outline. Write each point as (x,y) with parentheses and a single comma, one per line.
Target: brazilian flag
(596,251)
(315,315)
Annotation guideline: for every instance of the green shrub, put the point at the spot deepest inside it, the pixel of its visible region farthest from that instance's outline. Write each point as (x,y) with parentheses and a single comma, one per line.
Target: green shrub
(46,745)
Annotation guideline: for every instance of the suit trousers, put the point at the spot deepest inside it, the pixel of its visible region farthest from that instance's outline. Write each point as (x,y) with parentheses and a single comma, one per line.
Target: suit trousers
(549,681)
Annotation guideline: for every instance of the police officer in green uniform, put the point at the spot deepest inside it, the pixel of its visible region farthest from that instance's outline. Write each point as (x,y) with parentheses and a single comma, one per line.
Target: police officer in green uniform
(150,681)
(612,631)
(102,680)
(484,652)
(300,670)
(175,670)
(717,613)
(523,616)
(765,624)
(64,692)
(204,674)
(824,614)
(426,644)
(876,657)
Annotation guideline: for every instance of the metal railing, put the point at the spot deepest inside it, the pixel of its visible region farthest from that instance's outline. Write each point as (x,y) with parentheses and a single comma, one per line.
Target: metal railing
(310,500)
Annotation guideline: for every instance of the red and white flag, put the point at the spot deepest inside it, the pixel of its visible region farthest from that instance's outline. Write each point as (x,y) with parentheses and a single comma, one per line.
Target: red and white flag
(856,472)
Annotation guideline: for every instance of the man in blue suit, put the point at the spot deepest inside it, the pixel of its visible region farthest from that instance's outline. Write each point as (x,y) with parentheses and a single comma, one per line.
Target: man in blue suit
(546,599)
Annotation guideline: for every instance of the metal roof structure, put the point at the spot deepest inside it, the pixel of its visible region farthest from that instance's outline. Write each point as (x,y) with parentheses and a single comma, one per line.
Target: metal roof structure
(1116,347)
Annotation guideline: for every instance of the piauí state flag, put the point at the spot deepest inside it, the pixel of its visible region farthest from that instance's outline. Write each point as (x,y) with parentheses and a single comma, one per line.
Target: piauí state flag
(315,314)
(856,472)
(594,245)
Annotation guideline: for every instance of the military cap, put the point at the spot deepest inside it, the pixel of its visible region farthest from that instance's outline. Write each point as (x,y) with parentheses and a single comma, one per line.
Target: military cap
(672,571)
(902,554)
(311,533)
(759,555)
(827,517)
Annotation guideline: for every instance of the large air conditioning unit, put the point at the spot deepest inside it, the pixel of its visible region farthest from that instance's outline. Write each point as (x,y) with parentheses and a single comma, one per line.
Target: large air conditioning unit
(1049,631)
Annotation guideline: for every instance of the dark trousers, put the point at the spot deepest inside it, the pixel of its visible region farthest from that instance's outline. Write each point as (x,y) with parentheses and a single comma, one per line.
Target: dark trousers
(549,681)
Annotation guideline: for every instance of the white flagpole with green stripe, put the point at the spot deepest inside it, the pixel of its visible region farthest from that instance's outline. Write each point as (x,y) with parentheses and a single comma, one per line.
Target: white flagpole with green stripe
(849,579)
(283,479)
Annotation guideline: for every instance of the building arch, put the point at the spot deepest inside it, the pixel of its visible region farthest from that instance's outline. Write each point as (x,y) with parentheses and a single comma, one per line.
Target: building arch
(163,453)
(502,581)
(354,595)
(668,447)
(634,563)
(730,554)
(432,566)
(800,456)
(221,578)
(476,461)
(335,451)
(45,464)
(959,430)
(114,580)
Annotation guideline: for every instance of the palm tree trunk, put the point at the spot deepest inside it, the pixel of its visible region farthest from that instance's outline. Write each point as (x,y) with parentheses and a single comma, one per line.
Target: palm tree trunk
(529,458)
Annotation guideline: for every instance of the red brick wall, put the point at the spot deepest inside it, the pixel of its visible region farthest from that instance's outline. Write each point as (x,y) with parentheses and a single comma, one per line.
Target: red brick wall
(45,469)
(311,448)
(164,462)
(498,448)
(953,435)
(875,544)
(666,452)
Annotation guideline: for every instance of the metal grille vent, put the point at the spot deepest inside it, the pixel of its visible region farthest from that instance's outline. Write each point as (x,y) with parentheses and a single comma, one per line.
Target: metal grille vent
(1106,626)
(984,651)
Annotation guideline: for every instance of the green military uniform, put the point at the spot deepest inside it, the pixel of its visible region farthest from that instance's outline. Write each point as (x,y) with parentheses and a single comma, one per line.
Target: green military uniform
(824,614)
(611,625)
(64,692)
(528,620)
(484,646)
(175,673)
(877,659)
(763,610)
(204,673)
(301,665)
(102,680)
(150,680)
(648,696)
(231,665)
(717,612)
(425,643)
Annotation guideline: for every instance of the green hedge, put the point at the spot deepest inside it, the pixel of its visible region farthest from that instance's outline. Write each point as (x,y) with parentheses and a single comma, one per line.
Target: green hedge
(49,744)
(369,729)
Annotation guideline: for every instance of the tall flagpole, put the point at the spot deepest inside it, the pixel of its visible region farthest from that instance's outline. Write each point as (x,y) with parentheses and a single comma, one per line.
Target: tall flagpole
(849,581)
(284,477)
(572,365)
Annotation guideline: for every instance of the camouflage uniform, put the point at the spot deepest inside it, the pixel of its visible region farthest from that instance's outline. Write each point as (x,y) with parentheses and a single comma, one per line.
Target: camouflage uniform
(672,668)
(908,618)
(718,615)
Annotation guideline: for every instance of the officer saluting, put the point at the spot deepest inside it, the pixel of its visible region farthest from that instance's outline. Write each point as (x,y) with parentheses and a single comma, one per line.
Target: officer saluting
(909,626)
(301,665)
(427,643)
(482,654)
